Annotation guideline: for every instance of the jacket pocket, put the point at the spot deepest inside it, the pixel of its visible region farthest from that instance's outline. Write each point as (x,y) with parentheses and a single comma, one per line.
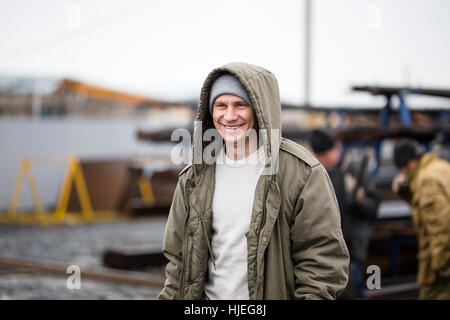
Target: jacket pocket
(425,274)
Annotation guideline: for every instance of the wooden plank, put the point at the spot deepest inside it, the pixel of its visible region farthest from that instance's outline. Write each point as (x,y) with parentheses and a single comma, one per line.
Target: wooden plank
(130,258)
(380,90)
(98,273)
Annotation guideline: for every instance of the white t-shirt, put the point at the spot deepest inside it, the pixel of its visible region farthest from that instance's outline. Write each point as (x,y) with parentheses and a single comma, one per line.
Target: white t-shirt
(235,185)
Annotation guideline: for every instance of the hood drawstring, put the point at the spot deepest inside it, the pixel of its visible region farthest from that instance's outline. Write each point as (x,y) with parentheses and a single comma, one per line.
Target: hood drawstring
(202,217)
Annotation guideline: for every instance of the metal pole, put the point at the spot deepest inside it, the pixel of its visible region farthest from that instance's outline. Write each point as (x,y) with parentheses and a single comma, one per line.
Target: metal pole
(307,70)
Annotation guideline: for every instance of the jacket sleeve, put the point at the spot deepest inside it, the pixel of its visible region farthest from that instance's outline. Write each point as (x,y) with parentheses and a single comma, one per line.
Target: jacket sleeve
(364,203)
(435,214)
(173,244)
(319,252)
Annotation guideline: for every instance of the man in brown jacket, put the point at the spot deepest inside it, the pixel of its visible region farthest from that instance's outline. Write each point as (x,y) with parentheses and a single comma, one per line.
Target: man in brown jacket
(427,185)
(271,231)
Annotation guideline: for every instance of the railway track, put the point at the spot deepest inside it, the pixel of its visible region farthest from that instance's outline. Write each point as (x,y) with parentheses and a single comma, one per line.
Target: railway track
(400,291)
(12,266)
(96,273)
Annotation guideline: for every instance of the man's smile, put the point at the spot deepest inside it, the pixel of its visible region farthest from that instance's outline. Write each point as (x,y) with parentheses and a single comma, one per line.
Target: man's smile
(233,128)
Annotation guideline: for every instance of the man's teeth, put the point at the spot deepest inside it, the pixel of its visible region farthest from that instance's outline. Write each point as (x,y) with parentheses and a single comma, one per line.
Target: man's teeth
(232,127)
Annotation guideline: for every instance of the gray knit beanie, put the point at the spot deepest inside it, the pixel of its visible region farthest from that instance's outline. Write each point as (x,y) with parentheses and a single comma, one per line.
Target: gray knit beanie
(227,84)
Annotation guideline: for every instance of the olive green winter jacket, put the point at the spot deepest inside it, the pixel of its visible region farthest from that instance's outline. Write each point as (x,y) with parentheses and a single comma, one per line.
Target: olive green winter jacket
(295,244)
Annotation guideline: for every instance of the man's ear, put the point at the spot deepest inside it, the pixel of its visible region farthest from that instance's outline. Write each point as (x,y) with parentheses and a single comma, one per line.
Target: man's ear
(408,168)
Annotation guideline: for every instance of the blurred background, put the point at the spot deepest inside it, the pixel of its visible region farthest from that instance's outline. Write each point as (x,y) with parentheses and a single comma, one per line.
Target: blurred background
(90,92)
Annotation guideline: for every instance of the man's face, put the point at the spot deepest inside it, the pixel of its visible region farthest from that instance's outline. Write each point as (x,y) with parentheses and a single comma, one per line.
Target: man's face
(233,117)
(409,168)
(329,159)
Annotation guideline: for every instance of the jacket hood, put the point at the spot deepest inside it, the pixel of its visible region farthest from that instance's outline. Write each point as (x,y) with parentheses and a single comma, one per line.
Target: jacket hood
(262,87)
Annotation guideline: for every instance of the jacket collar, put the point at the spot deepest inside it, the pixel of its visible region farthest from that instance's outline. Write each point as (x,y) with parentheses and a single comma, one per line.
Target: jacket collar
(424,161)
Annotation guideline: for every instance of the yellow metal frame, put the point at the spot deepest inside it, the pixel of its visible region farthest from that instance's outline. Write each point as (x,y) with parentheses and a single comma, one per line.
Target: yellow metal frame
(73,174)
(146,190)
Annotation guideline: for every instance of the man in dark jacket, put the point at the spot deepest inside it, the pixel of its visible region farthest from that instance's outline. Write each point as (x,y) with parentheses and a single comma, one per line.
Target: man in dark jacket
(358,206)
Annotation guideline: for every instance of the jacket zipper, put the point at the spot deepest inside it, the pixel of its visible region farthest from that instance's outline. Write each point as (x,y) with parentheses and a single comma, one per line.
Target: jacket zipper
(263,222)
(183,257)
(264,213)
(190,253)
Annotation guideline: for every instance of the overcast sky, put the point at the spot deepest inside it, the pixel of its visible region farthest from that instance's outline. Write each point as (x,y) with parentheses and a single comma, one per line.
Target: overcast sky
(165,49)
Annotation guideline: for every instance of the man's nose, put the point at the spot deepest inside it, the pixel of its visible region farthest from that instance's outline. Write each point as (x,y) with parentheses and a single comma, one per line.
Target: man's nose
(231,114)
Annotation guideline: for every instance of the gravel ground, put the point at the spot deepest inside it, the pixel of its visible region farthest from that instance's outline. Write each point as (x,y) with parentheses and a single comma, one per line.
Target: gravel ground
(43,287)
(81,245)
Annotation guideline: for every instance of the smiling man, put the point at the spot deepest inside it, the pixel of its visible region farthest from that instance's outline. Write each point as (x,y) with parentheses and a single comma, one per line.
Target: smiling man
(239,231)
